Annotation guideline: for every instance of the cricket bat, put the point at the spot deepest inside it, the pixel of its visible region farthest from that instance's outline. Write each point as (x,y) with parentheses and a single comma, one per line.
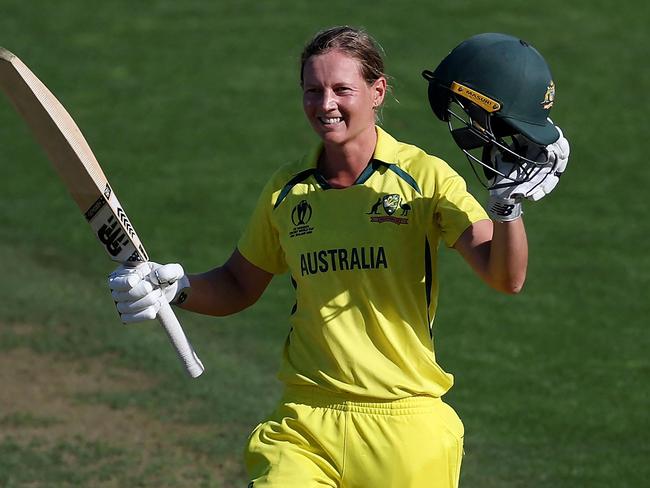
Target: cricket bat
(75,162)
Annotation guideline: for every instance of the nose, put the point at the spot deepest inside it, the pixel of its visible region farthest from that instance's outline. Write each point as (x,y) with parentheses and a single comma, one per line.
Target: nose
(328,101)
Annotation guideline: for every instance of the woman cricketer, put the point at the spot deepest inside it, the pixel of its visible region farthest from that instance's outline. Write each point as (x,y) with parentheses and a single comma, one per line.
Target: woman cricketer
(357,223)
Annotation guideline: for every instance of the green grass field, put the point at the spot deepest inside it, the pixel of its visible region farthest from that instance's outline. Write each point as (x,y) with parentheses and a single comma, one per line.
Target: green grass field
(189,107)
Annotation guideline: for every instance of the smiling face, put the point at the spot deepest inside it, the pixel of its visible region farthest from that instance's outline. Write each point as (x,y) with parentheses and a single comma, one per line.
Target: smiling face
(338,102)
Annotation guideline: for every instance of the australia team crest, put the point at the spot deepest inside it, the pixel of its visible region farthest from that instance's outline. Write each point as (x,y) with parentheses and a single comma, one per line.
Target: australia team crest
(391,203)
(389,208)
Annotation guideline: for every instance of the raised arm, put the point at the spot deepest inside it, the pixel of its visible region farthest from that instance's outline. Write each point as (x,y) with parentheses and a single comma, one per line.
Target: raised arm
(497,249)
(221,291)
(498,252)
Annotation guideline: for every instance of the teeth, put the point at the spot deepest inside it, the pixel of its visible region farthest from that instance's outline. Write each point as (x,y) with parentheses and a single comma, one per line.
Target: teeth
(330,120)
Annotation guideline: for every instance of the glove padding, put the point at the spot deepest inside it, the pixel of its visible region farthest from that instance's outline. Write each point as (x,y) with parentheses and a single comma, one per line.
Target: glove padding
(544,175)
(139,292)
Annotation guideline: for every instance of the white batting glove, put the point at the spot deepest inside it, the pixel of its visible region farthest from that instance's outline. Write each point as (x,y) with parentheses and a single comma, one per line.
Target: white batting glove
(550,162)
(139,292)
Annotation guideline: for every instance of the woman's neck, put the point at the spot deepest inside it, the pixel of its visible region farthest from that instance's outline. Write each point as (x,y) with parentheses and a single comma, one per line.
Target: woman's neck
(341,164)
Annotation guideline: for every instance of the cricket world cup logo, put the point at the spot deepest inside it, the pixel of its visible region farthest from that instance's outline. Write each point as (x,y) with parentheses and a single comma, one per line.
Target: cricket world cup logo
(300,216)
(301,213)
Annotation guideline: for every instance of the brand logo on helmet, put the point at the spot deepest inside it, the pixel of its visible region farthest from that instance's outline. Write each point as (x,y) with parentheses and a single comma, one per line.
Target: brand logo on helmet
(549,96)
(485,102)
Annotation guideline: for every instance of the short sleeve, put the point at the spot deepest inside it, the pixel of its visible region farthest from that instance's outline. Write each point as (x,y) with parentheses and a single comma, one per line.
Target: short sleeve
(456,209)
(260,242)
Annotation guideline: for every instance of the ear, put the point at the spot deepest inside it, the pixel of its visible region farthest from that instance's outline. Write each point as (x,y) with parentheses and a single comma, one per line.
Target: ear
(378,91)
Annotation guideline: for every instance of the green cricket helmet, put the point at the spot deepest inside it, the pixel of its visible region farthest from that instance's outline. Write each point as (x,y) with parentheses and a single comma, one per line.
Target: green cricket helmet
(504,87)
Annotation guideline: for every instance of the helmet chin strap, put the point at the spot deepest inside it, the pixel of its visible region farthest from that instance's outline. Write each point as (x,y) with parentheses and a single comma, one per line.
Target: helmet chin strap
(476,133)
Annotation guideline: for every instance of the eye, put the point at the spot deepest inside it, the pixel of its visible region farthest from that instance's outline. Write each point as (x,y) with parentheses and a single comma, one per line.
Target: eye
(342,90)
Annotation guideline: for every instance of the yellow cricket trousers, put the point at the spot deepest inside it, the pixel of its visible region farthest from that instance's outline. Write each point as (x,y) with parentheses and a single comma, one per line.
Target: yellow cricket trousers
(315,439)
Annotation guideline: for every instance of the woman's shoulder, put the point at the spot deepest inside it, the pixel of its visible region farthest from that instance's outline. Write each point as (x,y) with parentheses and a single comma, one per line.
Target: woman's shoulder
(420,163)
(407,155)
(286,176)
(289,171)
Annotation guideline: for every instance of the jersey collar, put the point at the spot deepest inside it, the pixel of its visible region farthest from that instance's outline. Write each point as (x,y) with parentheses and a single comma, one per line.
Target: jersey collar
(385,150)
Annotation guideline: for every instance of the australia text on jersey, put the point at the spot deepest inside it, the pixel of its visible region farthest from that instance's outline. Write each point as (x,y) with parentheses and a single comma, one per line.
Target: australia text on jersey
(327,260)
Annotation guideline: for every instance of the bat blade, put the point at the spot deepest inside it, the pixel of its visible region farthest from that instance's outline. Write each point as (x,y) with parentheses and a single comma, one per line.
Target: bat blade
(72,158)
(74,161)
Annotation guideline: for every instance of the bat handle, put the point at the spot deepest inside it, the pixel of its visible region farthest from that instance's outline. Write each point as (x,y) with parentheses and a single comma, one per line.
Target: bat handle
(185,351)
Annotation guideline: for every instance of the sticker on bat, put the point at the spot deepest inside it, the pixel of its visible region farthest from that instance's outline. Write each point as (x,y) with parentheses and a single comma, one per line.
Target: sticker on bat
(94,208)
(125,222)
(111,233)
(136,257)
(112,236)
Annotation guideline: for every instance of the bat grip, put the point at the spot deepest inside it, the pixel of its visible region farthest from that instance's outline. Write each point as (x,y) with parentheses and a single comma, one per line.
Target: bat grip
(185,351)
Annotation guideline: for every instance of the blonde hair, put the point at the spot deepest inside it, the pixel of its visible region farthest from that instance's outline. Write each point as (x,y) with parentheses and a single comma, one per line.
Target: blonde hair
(354,42)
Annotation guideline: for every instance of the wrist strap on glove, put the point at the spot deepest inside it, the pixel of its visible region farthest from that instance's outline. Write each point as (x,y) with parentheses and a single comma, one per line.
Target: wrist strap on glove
(182,287)
(173,281)
(504,209)
(180,298)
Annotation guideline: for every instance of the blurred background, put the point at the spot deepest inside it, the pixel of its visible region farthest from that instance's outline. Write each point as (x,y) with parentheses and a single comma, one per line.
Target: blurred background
(189,107)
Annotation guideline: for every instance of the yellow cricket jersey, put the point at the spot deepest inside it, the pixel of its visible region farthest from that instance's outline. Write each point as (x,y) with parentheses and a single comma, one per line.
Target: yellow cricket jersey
(363,263)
